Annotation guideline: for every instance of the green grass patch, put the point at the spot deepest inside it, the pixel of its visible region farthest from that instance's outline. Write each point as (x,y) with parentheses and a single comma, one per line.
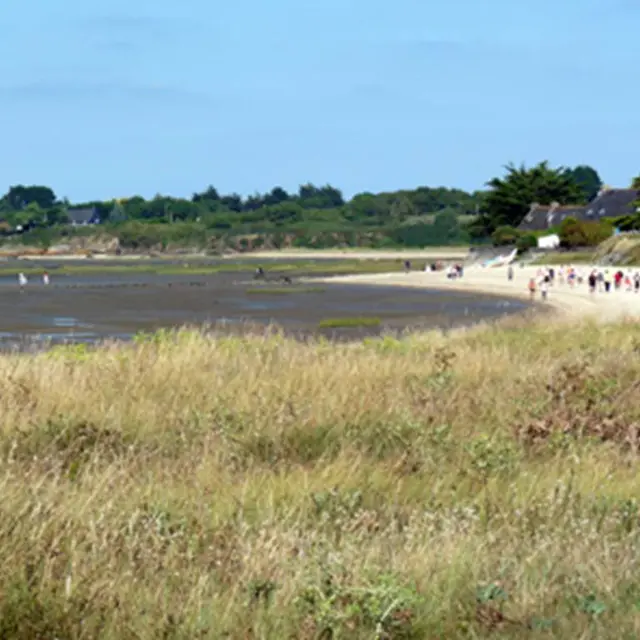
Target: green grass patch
(346,323)
(282,291)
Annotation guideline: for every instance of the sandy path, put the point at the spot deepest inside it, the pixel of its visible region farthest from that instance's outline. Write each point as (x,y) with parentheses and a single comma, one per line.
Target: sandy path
(437,253)
(564,299)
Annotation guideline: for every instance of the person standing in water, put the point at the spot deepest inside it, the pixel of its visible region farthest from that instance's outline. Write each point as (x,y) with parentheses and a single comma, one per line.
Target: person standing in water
(45,278)
(22,281)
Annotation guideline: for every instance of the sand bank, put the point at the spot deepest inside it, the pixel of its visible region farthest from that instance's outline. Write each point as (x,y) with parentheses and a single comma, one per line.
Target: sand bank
(564,299)
(437,253)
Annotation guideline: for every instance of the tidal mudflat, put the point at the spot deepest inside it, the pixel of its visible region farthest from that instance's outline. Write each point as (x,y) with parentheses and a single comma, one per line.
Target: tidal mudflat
(115,304)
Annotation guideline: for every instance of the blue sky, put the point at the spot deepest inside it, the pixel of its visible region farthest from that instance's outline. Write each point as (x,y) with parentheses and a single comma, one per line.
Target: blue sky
(111,98)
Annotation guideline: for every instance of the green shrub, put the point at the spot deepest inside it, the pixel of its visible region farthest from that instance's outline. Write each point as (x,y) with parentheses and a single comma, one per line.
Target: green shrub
(574,233)
(527,241)
(505,235)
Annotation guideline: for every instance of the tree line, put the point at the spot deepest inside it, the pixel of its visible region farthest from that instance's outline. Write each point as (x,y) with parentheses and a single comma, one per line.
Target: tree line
(318,215)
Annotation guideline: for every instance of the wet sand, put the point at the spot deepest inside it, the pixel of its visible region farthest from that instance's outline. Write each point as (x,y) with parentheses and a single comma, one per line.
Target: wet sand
(95,307)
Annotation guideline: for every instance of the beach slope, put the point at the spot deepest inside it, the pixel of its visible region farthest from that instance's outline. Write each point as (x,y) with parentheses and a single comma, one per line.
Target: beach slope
(566,300)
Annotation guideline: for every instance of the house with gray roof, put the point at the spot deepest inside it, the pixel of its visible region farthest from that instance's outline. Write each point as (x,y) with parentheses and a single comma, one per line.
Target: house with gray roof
(609,203)
(541,217)
(83,216)
(612,203)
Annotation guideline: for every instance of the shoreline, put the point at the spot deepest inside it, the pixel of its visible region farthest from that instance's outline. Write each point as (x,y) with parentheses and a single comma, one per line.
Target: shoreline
(563,300)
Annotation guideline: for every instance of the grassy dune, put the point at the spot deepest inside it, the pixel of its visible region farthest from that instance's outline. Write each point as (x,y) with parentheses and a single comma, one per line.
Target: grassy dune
(480,484)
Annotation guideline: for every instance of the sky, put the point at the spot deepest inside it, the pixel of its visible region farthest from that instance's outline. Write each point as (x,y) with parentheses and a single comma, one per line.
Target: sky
(112,98)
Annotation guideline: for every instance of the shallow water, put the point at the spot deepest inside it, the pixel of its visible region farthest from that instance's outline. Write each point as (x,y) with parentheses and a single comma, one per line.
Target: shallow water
(111,305)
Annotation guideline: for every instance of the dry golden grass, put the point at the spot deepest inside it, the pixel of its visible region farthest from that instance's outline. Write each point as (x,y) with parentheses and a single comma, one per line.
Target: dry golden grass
(481,483)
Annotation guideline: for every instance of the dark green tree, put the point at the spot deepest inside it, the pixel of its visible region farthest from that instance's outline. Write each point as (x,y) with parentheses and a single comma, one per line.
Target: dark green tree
(232,202)
(510,197)
(209,194)
(312,197)
(401,208)
(365,206)
(276,196)
(446,226)
(587,179)
(56,215)
(20,196)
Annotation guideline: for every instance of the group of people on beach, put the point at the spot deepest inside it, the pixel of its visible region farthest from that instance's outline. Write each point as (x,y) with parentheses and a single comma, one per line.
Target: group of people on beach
(597,279)
(23,281)
(455,271)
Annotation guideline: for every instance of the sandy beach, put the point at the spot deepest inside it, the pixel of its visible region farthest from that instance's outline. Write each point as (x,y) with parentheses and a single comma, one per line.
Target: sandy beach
(564,299)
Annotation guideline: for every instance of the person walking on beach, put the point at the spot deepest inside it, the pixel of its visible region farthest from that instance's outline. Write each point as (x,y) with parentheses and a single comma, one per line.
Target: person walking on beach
(544,289)
(636,281)
(532,288)
(593,282)
(510,273)
(617,279)
(45,278)
(22,281)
